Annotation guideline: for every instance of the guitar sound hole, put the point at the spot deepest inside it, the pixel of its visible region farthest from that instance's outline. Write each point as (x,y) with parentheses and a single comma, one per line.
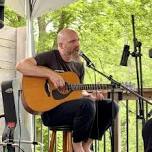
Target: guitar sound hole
(47,88)
(57,94)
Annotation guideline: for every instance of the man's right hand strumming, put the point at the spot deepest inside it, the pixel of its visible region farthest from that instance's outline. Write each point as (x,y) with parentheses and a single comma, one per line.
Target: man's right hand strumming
(29,67)
(57,80)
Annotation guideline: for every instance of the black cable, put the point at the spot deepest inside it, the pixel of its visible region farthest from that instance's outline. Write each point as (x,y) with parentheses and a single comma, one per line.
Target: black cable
(101,65)
(95,80)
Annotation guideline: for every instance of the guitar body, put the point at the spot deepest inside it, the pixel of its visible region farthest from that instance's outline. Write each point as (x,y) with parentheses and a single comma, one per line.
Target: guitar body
(39,95)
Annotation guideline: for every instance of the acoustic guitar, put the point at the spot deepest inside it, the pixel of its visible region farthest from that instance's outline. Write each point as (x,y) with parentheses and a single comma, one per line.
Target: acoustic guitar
(40,95)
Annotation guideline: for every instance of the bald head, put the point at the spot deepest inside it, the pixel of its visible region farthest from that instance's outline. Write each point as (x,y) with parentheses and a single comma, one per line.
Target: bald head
(68,42)
(65,34)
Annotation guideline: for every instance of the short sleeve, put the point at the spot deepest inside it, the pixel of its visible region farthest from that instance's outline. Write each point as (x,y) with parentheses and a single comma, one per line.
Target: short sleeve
(42,58)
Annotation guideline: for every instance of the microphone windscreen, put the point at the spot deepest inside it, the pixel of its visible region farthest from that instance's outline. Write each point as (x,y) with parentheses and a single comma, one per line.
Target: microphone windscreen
(125,55)
(150,53)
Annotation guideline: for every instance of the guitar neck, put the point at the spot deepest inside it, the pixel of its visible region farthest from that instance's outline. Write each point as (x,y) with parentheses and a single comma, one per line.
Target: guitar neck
(89,86)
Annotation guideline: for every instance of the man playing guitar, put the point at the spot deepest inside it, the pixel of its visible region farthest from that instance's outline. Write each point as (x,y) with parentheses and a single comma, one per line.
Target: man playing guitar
(90,115)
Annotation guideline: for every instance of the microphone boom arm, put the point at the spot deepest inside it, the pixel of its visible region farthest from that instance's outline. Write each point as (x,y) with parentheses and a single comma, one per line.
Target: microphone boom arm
(88,61)
(113,82)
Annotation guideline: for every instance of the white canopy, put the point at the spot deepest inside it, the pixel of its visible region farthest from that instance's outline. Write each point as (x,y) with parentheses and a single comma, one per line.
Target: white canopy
(38,7)
(31,9)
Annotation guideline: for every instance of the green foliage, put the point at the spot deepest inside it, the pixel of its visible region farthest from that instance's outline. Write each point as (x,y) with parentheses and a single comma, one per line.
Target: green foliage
(104,27)
(12,19)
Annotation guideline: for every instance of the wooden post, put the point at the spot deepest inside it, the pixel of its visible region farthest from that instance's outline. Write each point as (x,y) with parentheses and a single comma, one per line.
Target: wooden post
(117,135)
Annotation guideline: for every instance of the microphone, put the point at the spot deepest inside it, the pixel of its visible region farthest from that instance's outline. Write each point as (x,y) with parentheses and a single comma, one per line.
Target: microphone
(2,13)
(125,55)
(88,61)
(150,53)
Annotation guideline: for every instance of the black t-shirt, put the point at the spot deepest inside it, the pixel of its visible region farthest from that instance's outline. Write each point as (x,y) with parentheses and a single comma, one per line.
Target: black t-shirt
(54,61)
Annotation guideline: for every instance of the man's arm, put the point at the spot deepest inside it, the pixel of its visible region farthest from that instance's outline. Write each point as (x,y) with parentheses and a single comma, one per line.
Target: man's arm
(29,67)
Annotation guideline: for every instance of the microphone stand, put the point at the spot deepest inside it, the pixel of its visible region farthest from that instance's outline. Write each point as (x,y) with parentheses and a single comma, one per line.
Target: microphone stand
(118,84)
(115,84)
(137,54)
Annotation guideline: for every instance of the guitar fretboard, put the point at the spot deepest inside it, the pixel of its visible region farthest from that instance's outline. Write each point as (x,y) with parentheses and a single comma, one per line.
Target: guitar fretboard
(89,86)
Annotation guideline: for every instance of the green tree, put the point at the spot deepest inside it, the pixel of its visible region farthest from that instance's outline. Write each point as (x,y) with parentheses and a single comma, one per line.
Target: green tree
(104,27)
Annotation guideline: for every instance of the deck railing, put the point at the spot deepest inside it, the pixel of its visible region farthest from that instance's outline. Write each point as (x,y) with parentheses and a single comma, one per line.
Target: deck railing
(127,135)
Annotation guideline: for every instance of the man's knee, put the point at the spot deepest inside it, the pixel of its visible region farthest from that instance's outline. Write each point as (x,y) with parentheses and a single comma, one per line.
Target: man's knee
(113,107)
(88,107)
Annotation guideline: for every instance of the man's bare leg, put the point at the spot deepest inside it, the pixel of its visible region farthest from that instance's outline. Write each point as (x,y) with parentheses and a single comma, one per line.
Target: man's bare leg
(87,145)
(77,147)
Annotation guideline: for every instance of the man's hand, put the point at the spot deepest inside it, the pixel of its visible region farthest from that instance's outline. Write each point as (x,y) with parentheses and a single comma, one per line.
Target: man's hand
(57,80)
(97,95)
(94,95)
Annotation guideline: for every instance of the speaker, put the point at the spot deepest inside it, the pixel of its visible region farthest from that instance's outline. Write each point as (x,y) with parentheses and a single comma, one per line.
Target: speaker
(2,13)
(8,102)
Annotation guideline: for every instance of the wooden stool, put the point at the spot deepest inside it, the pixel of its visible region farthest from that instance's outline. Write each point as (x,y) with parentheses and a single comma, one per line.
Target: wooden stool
(67,138)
